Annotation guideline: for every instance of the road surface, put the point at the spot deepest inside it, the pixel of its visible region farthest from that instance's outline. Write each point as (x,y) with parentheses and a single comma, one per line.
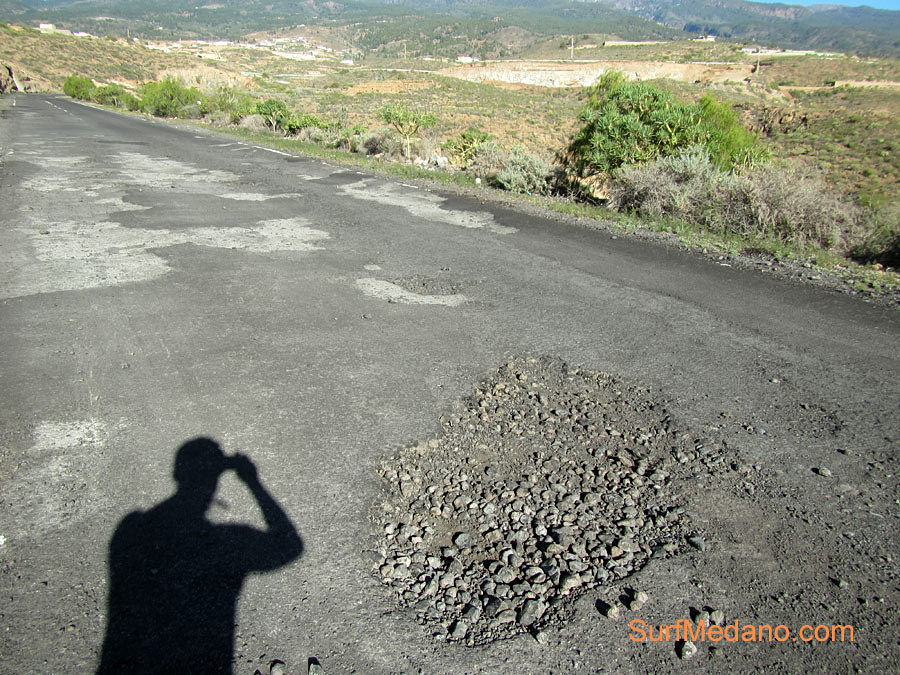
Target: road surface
(162,284)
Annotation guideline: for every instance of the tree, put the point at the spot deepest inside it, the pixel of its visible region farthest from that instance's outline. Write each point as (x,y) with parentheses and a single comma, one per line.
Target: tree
(407,121)
(273,111)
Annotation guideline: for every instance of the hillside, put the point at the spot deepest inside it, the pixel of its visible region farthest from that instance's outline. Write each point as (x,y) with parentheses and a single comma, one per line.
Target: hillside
(427,28)
(498,29)
(823,27)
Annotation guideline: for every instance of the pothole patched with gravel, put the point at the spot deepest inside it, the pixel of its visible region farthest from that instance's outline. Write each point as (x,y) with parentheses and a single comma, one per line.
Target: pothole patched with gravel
(547,482)
(426,285)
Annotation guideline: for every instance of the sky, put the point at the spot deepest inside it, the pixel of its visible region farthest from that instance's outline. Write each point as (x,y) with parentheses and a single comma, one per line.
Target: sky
(878,4)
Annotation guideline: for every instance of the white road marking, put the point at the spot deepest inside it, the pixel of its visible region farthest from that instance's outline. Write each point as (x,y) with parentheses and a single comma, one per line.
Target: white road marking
(252,196)
(277,152)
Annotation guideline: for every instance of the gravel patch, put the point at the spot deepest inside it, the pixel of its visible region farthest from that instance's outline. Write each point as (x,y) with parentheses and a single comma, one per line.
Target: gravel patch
(426,285)
(547,482)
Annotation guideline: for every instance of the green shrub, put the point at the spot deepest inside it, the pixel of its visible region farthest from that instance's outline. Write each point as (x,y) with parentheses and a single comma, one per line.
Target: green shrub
(882,242)
(115,95)
(380,142)
(348,138)
(633,122)
(488,159)
(169,97)
(294,124)
(407,121)
(462,149)
(234,103)
(273,111)
(785,202)
(730,144)
(525,172)
(79,87)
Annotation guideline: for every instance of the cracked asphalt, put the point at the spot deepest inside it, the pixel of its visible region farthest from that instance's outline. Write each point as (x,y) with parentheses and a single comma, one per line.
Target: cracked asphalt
(163,283)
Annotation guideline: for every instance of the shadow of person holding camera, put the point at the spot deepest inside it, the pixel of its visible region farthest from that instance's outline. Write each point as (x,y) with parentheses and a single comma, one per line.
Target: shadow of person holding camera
(175,577)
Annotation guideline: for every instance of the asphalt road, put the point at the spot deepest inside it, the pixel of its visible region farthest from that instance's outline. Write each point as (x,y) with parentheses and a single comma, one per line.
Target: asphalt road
(160,284)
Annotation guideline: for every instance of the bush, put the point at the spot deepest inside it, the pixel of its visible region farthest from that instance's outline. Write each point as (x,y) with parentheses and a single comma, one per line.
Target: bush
(273,111)
(633,122)
(488,159)
(730,144)
(524,172)
(115,95)
(407,121)
(192,111)
(785,202)
(316,135)
(512,169)
(234,103)
(348,138)
(79,87)
(676,187)
(882,243)
(294,124)
(169,97)
(253,122)
(380,142)
(464,147)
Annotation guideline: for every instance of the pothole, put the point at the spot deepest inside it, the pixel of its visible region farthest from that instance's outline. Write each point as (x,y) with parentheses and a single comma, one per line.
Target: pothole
(423,285)
(545,483)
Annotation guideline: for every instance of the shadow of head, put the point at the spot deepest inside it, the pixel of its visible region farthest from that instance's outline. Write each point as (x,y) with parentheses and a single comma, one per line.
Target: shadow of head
(198,465)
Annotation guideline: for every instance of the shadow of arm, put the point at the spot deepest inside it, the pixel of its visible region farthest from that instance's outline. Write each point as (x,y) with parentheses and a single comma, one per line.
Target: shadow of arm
(281,540)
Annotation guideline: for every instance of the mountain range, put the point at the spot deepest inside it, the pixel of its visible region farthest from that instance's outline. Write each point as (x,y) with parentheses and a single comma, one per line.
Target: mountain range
(859,30)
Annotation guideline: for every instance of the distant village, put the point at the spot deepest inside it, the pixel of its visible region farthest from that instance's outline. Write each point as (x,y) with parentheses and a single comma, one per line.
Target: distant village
(297,48)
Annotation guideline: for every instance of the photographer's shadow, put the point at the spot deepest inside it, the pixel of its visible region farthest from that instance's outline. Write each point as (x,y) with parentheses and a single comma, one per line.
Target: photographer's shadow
(175,577)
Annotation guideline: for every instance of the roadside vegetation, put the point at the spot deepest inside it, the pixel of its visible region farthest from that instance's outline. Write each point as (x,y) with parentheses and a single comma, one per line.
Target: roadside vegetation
(789,165)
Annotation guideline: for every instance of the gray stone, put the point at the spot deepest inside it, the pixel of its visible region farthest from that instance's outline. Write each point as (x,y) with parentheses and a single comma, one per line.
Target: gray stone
(463,540)
(459,629)
(697,541)
(686,650)
(531,611)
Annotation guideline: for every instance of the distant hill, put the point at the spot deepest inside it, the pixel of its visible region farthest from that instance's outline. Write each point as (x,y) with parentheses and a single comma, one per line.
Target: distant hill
(11,8)
(489,29)
(820,27)
(428,27)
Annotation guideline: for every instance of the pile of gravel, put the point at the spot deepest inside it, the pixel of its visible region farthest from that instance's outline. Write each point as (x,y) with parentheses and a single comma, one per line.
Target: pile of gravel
(548,482)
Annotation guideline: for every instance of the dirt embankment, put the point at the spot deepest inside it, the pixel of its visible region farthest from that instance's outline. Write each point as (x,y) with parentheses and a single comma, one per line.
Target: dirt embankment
(13,79)
(586,73)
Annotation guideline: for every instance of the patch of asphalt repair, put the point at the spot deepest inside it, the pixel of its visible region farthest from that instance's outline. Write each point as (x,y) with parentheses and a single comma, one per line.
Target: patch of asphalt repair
(78,250)
(422,205)
(61,459)
(409,294)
